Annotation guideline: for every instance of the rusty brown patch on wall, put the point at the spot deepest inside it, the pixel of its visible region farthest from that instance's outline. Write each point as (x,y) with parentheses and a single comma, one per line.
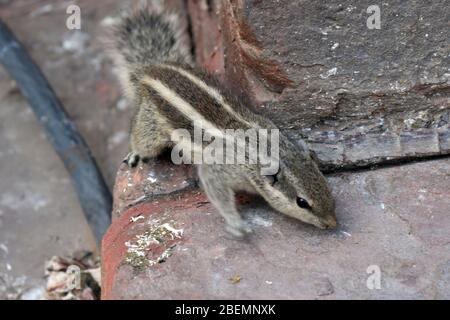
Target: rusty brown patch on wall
(246,66)
(226,45)
(206,35)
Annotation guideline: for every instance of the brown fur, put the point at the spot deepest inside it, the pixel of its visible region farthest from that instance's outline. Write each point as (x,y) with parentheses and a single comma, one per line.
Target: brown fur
(156,72)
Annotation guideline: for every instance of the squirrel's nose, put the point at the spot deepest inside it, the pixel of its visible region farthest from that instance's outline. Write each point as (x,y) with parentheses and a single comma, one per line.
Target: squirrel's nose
(330,222)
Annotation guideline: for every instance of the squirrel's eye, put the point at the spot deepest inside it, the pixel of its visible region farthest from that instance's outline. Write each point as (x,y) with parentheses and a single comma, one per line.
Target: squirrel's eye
(302,203)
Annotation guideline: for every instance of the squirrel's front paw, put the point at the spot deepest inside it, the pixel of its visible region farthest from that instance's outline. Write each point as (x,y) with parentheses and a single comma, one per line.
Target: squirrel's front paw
(238,229)
(132,159)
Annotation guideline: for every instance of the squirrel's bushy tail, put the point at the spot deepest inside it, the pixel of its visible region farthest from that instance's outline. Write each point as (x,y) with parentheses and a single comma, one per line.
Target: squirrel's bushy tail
(148,35)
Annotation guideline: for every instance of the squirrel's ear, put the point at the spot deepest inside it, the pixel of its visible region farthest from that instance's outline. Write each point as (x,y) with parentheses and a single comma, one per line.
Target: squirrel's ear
(273,178)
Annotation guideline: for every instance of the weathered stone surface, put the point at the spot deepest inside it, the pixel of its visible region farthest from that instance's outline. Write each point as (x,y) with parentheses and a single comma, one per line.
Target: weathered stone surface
(395,218)
(318,71)
(147,181)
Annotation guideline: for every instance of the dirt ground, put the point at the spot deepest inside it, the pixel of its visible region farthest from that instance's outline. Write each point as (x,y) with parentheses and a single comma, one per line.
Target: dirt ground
(39,212)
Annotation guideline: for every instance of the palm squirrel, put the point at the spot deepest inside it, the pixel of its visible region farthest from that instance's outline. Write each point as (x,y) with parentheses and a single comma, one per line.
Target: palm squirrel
(153,58)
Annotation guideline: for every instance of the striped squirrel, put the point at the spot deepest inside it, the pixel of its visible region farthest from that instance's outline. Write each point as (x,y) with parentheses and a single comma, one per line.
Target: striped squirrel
(153,58)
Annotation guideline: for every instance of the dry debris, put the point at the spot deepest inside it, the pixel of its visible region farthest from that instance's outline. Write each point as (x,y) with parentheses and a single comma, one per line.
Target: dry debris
(235,279)
(73,278)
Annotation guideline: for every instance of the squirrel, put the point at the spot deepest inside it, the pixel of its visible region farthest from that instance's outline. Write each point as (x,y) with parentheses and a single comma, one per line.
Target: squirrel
(153,59)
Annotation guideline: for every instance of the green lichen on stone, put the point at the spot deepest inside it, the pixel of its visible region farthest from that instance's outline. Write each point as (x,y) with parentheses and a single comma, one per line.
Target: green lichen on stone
(138,262)
(139,248)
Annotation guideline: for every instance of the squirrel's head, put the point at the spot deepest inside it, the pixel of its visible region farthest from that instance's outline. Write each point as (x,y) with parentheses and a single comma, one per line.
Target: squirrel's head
(299,189)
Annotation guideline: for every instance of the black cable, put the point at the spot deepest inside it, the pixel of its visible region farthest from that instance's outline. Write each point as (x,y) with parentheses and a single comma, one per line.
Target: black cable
(90,186)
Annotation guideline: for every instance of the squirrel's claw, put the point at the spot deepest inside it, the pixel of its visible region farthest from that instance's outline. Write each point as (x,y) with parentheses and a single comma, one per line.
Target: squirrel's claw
(132,159)
(239,229)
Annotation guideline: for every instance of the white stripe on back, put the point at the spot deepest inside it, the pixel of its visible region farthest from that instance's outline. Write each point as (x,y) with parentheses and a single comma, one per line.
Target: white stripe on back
(211,91)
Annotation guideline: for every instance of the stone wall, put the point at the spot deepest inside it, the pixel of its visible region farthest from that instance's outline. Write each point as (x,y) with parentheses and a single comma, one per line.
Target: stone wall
(358,96)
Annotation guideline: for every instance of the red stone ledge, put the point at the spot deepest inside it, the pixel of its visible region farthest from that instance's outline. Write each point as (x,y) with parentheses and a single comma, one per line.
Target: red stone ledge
(394,218)
(135,221)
